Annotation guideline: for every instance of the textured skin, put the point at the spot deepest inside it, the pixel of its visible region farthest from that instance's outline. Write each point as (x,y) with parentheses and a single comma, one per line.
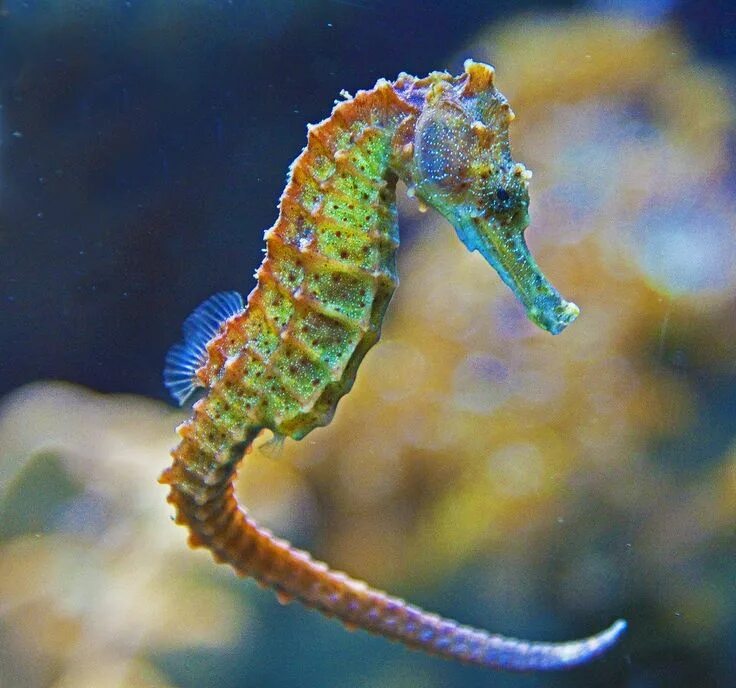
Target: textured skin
(322,291)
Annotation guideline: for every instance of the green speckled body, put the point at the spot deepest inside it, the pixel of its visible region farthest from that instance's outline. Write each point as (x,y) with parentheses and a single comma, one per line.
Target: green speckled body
(329,272)
(323,288)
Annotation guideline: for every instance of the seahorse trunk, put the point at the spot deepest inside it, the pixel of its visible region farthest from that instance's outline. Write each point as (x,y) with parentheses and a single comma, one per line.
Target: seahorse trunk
(284,362)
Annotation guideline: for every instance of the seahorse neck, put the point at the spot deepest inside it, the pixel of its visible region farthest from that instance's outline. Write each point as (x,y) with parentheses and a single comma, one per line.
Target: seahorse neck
(388,110)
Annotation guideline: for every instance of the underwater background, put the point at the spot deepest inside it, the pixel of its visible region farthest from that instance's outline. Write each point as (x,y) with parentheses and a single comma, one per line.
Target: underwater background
(536,486)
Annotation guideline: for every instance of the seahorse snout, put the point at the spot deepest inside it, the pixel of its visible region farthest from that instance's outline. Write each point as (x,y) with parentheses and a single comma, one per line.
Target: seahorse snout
(554,316)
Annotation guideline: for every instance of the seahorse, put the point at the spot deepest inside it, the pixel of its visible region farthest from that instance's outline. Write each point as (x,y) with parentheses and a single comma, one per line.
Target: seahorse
(283,360)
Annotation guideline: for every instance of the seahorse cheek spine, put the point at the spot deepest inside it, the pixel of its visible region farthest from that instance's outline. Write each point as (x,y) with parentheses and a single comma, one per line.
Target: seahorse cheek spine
(284,362)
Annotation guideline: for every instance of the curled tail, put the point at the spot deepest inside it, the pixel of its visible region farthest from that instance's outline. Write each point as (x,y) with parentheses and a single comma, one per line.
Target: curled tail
(205,503)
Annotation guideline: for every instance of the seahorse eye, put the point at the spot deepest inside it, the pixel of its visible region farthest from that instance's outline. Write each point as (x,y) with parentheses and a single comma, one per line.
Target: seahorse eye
(502,194)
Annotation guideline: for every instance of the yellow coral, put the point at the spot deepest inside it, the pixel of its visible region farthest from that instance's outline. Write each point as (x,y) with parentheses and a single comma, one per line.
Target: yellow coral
(102,588)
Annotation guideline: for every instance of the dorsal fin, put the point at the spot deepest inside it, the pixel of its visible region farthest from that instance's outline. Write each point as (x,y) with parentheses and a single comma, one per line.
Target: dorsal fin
(185,358)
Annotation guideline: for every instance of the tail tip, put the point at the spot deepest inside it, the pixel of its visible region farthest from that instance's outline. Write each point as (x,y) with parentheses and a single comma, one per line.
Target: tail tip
(576,653)
(615,631)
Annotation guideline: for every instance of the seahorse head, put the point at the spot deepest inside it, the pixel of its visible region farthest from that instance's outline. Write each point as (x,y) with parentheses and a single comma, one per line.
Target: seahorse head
(462,167)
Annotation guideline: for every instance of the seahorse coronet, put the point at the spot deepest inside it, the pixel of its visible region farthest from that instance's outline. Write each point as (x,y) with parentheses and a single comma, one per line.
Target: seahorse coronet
(284,358)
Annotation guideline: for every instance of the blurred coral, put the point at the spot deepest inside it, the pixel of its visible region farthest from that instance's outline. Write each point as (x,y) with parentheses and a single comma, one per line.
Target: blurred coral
(106,579)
